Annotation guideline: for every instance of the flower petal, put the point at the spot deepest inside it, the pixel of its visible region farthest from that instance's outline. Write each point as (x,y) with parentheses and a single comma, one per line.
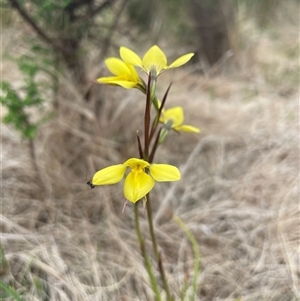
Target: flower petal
(117,81)
(164,172)
(137,185)
(175,114)
(117,67)
(136,163)
(154,57)
(133,74)
(130,57)
(107,80)
(109,175)
(125,84)
(181,60)
(187,128)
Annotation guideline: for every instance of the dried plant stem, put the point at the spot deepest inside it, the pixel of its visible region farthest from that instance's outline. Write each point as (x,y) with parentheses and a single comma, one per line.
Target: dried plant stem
(33,156)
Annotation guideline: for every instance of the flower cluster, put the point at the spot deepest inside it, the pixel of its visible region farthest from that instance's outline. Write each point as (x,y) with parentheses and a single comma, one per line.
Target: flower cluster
(154,62)
(143,173)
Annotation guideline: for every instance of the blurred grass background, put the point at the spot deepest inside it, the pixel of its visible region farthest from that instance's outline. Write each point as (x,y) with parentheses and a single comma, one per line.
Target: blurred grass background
(239,188)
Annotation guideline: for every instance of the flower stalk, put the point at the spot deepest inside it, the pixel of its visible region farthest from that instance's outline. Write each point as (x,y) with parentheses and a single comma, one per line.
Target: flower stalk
(143,252)
(157,254)
(143,173)
(147,120)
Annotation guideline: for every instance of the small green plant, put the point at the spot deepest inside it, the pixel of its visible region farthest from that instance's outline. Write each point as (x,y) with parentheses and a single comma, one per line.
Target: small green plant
(6,291)
(24,103)
(140,173)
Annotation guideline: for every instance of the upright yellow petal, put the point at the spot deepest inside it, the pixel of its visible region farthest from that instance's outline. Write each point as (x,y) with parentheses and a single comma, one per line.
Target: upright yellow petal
(164,172)
(154,58)
(181,60)
(137,185)
(109,175)
(130,57)
(117,66)
(136,163)
(175,114)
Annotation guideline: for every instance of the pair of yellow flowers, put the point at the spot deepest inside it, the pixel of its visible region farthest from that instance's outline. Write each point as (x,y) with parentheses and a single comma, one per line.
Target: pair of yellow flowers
(138,182)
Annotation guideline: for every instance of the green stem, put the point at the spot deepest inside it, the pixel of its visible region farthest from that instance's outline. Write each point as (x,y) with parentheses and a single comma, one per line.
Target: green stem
(155,249)
(196,251)
(143,251)
(158,114)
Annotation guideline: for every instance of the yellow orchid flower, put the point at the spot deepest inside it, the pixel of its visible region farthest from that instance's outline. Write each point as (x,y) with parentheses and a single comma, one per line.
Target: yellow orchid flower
(137,183)
(174,117)
(125,75)
(154,61)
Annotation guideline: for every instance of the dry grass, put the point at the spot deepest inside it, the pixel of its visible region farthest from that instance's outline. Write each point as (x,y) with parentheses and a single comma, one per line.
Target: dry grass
(238,193)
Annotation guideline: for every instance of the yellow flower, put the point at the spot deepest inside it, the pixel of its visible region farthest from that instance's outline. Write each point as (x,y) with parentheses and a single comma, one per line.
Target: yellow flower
(125,75)
(154,61)
(137,183)
(174,117)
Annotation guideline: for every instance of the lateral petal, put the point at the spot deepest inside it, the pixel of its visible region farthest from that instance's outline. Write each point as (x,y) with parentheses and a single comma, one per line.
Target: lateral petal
(181,60)
(187,128)
(109,175)
(118,81)
(137,185)
(164,172)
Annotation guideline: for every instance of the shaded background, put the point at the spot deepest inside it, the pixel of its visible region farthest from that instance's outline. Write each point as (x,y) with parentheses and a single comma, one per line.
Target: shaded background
(238,193)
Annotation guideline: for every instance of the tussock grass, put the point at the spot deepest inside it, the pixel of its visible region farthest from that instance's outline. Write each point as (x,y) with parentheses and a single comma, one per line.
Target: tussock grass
(238,195)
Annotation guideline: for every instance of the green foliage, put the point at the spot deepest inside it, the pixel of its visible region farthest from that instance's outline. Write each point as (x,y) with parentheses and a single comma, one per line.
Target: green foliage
(196,251)
(20,103)
(50,13)
(3,262)
(7,291)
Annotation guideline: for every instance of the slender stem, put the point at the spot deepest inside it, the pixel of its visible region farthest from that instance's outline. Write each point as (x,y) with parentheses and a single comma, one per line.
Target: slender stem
(158,113)
(155,249)
(196,251)
(41,32)
(33,157)
(55,79)
(147,119)
(139,145)
(107,41)
(143,251)
(148,137)
(151,228)
(154,148)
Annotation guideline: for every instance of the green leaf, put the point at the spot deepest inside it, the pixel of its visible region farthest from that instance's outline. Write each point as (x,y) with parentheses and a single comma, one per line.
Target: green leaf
(3,262)
(10,291)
